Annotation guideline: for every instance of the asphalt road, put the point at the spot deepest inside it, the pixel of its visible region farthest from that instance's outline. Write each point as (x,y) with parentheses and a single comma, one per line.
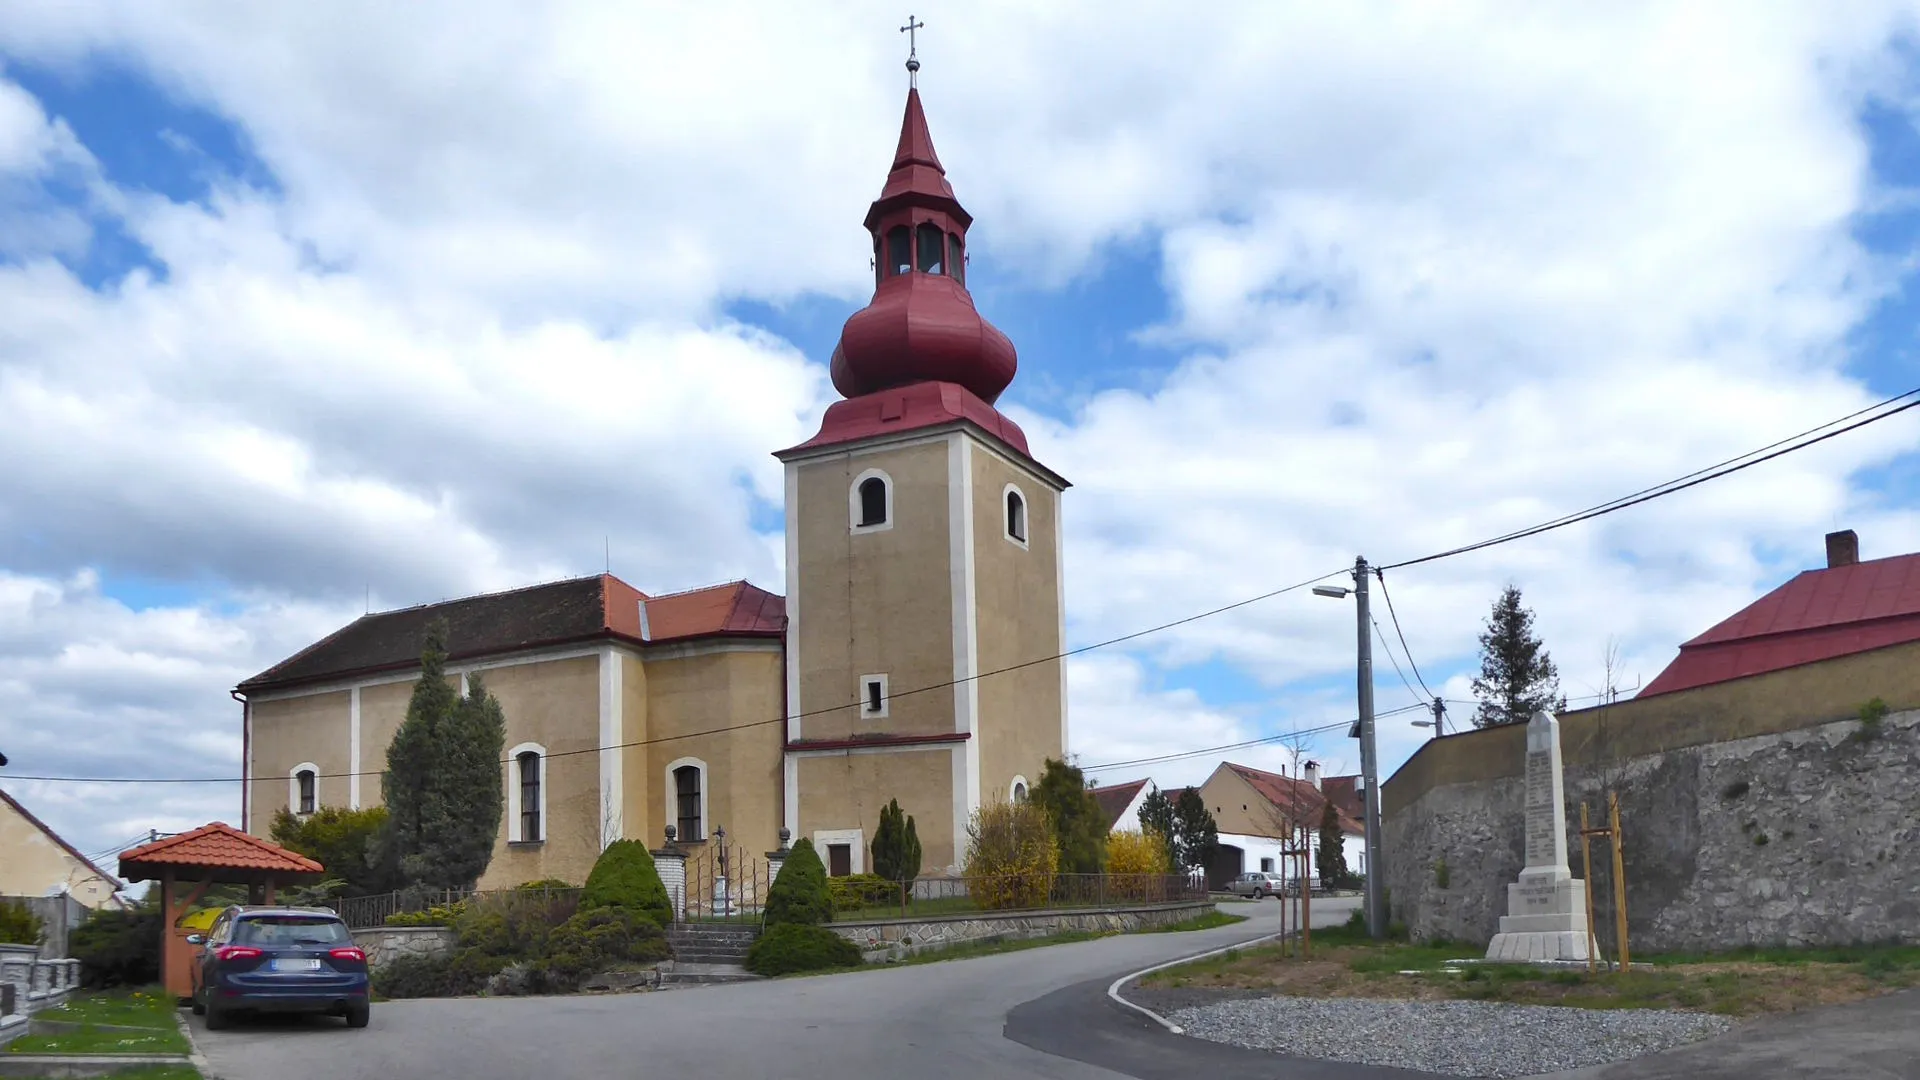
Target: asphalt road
(927,1021)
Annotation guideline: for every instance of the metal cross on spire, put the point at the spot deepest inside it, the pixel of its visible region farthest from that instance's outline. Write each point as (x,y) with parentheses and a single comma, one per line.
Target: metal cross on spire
(913,50)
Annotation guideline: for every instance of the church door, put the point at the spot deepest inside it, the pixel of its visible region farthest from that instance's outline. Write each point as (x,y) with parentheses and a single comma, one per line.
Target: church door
(839,860)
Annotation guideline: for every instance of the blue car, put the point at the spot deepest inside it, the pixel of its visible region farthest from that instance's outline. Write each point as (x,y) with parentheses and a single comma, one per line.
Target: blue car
(279,959)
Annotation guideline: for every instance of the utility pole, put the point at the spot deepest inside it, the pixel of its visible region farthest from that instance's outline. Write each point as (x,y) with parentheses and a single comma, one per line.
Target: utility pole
(1439,717)
(1369,766)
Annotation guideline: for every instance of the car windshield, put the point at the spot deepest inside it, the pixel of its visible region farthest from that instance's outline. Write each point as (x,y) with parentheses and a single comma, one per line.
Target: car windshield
(291,930)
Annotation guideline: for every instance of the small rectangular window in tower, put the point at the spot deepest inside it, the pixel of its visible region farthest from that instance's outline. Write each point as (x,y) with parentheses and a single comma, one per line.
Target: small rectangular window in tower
(839,860)
(873,695)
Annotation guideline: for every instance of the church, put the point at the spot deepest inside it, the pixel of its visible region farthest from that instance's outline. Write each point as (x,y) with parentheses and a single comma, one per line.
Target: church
(916,655)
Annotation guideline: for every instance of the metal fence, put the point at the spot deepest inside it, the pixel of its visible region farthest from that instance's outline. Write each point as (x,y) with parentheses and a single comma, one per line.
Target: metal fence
(361,912)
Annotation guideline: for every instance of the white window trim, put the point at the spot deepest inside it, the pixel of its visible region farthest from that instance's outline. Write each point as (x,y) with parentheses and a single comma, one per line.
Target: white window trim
(853,838)
(673,798)
(1026,516)
(514,835)
(1018,783)
(886,698)
(853,502)
(293,787)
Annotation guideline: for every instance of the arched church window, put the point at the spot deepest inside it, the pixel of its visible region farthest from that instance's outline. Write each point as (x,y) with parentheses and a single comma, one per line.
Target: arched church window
(529,765)
(956,259)
(899,250)
(933,248)
(873,501)
(307,779)
(527,794)
(1016,516)
(686,791)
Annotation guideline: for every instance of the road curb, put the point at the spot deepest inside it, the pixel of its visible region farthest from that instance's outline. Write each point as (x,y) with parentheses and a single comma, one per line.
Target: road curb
(1113,989)
(194,1057)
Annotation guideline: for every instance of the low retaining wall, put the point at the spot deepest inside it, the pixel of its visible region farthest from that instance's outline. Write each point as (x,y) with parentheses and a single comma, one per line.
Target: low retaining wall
(29,984)
(384,943)
(891,939)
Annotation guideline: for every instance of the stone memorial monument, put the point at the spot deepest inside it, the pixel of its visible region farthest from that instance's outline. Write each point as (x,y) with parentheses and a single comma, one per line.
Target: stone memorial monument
(1547,908)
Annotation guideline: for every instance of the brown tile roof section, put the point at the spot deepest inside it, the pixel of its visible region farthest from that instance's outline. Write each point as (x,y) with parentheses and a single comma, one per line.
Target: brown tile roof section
(218,846)
(1295,799)
(1115,799)
(56,838)
(557,613)
(1345,793)
(1819,615)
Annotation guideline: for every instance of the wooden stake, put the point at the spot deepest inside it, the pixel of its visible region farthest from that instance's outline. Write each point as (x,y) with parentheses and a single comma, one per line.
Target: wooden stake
(1586,859)
(1619,877)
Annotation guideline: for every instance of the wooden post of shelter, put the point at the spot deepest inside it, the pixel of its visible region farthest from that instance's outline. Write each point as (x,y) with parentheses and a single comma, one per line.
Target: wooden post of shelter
(216,854)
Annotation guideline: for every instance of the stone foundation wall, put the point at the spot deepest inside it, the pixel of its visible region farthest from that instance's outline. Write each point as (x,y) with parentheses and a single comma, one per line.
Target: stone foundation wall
(384,943)
(884,939)
(1805,837)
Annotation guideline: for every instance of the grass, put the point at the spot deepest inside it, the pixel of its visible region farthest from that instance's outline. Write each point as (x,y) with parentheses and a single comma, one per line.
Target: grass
(1208,921)
(157,1072)
(111,1022)
(1345,963)
(938,905)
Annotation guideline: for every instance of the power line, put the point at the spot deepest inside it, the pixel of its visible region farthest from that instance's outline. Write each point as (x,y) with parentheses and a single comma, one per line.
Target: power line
(1281,737)
(1778,448)
(1388,648)
(1382,578)
(1692,479)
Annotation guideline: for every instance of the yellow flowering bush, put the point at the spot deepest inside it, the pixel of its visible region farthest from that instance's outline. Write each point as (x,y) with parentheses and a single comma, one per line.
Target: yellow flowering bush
(1137,864)
(1011,856)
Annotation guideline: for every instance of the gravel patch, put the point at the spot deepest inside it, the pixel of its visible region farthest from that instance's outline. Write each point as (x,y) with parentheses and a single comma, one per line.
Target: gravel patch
(1458,1038)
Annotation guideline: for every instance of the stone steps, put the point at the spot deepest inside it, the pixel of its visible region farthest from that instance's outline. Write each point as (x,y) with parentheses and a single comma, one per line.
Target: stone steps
(682,973)
(721,945)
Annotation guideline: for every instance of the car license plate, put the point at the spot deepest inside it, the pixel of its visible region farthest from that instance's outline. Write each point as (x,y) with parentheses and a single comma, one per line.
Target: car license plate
(296,965)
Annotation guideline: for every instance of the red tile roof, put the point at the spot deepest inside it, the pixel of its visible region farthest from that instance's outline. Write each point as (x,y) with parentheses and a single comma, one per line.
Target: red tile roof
(56,838)
(1819,615)
(1115,798)
(920,406)
(1295,799)
(1345,793)
(218,846)
(538,616)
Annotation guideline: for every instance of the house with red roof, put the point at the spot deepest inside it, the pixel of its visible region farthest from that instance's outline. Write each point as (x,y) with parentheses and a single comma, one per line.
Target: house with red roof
(36,861)
(1120,803)
(1258,813)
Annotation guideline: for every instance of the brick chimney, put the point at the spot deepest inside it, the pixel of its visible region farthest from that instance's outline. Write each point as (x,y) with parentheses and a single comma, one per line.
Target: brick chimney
(1843,548)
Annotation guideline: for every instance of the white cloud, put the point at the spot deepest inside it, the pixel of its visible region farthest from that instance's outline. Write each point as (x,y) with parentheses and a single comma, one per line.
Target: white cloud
(1440,274)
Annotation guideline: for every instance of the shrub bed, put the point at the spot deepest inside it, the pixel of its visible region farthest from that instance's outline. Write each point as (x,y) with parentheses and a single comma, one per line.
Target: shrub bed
(791,947)
(857,892)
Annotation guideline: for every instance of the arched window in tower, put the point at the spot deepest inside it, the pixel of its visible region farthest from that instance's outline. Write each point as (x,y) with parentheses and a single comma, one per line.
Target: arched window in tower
(899,250)
(1016,515)
(956,259)
(933,248)
(686,790)
(873,502)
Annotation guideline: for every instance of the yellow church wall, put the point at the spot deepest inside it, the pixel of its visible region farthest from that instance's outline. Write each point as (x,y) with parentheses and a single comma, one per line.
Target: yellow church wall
(1017,598)
(555,703)
(638,818)
(699,689)
(877,602)
(847,791)
(382,708)
(288,732)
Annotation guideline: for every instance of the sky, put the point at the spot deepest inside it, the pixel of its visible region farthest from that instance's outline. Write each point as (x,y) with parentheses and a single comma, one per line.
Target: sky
(305,309)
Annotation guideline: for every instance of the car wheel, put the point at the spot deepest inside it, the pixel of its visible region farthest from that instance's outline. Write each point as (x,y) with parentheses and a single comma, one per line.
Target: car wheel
(217,1018)
(1259,894)
(358,1014)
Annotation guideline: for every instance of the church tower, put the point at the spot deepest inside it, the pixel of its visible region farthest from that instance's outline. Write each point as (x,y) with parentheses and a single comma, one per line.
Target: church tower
(923,554)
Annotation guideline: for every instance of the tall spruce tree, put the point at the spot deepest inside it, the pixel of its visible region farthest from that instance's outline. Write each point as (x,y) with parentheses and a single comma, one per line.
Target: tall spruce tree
(1195,834)
(1079,828)
(1517,676)
(442,786)
(1330,861)
(1157,816)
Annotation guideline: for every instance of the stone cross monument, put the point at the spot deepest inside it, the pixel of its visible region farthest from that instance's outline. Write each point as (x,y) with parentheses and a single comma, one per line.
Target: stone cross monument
(1546,915)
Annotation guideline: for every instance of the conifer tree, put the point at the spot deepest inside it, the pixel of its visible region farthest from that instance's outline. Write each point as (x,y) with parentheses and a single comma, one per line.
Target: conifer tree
(1517,676)
(1157,818)
(1330,862)
(1079,828)
(1196,835)
(443,782)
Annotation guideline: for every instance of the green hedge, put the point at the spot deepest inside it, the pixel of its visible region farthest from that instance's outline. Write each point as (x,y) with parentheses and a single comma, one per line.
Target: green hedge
(789,947)
(624,876)
(594,941)
(799,895)
(451,975)
(859,891)
(118,948)
(18,924)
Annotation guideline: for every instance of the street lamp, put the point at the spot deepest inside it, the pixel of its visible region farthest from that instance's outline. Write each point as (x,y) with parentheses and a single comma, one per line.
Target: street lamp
(1363,730)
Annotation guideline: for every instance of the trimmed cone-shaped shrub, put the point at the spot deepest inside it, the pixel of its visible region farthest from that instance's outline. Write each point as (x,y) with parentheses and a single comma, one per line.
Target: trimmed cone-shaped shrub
(624,876)
(790,947)
(799,895)
(600,939)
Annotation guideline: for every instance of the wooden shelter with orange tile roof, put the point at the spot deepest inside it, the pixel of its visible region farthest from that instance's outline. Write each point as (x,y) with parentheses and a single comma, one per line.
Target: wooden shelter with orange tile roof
(190,863)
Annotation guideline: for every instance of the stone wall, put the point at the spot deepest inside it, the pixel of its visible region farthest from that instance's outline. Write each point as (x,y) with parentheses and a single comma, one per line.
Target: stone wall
(886,939)
(29,984)
(384,943)
(1799,837)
